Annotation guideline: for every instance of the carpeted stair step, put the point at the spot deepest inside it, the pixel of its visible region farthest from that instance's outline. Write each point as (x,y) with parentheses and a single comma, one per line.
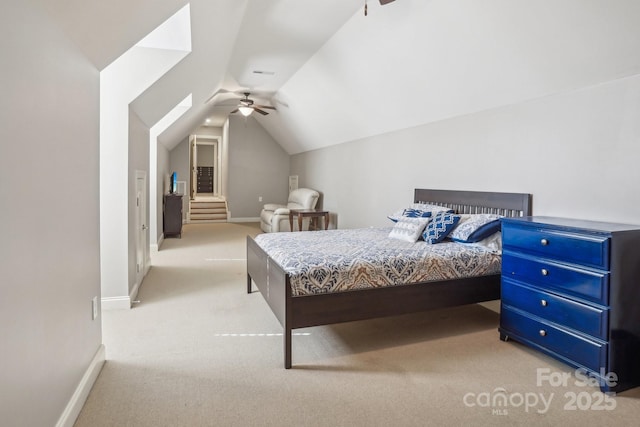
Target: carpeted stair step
(205,211)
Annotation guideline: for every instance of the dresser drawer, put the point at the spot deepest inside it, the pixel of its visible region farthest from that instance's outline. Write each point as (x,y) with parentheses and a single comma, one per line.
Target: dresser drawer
(592,285)
(592,250)
(571,347)
(572,314)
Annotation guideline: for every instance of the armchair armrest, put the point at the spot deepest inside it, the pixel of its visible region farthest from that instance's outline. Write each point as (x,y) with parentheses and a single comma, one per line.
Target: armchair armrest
(281,211)
(273,207)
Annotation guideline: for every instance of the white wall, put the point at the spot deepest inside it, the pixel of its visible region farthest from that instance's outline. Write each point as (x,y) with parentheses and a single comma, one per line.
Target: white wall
(417,62)
(159,169)
(208,131)
(577,152)
(120,83)
(49,251)
(138,161)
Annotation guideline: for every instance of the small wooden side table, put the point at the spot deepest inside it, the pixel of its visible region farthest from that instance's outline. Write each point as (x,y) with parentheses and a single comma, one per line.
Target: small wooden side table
(311,213)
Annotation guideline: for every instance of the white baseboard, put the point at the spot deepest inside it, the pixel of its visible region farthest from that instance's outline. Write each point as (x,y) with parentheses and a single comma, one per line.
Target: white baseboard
(124,303)
(257,219)
(155,247)
(71,412)
(133,295)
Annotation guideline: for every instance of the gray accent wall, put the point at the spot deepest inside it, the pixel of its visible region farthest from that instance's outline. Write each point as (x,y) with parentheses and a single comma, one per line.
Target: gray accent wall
(162,172)
(179,163)
(258,167)
(206,154)
(49,187)
(577,152)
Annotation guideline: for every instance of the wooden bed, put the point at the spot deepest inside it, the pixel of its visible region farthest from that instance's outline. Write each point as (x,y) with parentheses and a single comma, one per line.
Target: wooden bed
(313,310)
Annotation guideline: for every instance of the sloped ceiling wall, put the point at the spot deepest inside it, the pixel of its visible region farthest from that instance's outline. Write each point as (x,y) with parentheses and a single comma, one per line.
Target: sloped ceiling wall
(231,39)
(104,30)
(341,76)
(420,61)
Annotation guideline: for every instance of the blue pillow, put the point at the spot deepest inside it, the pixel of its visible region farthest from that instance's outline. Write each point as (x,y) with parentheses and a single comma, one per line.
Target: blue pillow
(439,227)
(428,209)
(475,227)
(416,213)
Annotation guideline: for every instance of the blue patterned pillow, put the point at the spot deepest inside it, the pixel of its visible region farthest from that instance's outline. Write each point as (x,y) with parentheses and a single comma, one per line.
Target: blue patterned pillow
(422,207)
(416,213)
(475,227)
(439,227)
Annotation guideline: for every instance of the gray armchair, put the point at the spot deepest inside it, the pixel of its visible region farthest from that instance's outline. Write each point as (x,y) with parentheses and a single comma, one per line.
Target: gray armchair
(275,217)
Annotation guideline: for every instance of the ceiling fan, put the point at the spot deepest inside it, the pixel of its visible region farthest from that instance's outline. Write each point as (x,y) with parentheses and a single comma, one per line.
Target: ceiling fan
(382,2)
(247,106)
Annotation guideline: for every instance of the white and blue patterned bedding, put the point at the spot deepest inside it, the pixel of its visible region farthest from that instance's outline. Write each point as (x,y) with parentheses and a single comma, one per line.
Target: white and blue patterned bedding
(327,261)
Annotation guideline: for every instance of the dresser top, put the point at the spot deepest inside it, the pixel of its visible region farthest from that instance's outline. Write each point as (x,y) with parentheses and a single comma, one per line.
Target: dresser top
(596,226)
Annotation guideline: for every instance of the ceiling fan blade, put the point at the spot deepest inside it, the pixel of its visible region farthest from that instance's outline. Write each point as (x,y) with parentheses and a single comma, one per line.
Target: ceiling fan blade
(269,107)
(383,2)
(264,113)
(234,111)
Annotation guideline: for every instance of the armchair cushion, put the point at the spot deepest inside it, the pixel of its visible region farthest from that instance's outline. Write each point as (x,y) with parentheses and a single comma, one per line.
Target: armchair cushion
(275,217)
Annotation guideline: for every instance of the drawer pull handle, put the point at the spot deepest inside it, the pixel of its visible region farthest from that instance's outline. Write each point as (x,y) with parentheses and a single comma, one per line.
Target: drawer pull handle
(544,242)
(543,302)
(544,272)
(543,333)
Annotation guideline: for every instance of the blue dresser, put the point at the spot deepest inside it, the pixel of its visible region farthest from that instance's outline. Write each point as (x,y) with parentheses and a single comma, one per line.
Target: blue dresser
(571,289)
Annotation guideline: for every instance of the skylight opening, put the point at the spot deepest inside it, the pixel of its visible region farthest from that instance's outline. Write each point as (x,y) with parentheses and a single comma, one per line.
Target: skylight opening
(172,34)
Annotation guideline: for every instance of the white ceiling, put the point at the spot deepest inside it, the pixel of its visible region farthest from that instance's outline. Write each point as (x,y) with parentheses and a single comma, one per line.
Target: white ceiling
(340,76)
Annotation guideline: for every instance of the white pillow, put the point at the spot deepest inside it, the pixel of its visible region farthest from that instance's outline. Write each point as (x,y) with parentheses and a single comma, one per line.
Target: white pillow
(492,243)
(408,229)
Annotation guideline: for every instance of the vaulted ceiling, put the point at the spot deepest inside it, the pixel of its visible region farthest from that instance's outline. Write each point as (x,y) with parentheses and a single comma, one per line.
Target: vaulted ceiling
(336,75)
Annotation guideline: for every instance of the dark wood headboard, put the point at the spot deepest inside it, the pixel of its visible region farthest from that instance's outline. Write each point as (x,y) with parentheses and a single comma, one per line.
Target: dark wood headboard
(507,204)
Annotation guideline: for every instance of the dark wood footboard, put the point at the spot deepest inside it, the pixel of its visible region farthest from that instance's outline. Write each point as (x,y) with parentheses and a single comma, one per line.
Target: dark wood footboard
(315,310)
(273,283)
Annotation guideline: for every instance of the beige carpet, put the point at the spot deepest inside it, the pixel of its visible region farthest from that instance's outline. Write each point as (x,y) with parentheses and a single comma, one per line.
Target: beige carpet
(199,351)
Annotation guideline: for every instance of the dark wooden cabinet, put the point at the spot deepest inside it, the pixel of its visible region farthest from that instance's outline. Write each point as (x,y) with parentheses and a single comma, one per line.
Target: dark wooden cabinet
(172,215)
(205,179)
(571,290)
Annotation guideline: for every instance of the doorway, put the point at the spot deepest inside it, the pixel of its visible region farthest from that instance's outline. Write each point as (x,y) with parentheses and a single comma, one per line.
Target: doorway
(204,159)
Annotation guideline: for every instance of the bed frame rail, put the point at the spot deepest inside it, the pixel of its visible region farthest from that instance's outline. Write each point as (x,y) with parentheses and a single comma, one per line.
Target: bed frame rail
(304,311)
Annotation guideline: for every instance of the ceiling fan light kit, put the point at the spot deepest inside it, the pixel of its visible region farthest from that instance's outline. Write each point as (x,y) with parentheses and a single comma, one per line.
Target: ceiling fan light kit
(245,111)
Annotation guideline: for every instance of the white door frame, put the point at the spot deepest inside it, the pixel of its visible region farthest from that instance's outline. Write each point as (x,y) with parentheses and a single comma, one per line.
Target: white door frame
(217,161)
(192,165)
(142,230)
